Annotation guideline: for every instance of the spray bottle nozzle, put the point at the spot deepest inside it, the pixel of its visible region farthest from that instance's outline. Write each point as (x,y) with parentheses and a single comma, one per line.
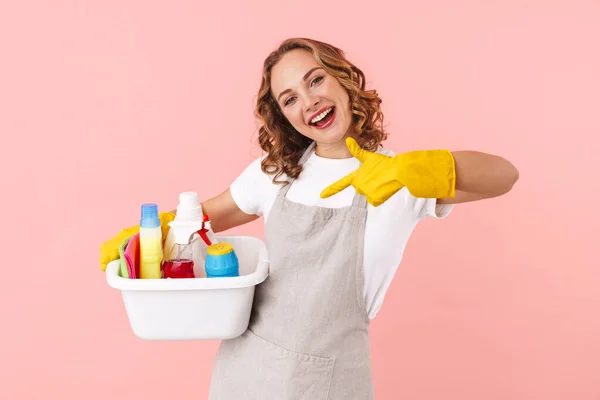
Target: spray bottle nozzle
(183,230)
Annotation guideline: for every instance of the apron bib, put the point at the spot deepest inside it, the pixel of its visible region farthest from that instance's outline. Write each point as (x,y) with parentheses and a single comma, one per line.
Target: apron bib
(308,334)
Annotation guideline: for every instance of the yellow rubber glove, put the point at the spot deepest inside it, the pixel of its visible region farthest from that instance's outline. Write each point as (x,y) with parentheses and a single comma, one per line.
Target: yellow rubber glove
(109,250)
(425,173)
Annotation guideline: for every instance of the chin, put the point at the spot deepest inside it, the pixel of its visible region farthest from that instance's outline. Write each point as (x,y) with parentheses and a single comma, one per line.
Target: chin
(324,138)
(332,138)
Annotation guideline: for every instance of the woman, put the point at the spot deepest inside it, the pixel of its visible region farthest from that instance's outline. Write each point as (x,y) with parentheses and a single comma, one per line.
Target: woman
(338,213)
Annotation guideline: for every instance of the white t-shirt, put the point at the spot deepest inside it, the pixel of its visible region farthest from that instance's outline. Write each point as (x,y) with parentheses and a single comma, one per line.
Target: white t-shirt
(388,226)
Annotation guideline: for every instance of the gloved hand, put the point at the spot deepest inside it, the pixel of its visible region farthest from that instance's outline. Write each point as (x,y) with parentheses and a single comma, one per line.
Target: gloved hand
(425,173)
(109,250)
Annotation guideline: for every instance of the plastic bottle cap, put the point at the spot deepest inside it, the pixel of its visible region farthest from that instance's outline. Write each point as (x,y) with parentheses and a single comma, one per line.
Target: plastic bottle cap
(219,249)
(149,216)
(189,206)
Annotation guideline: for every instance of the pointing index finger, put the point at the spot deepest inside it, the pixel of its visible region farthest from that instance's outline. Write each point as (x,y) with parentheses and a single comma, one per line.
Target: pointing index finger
(355,149)
(338,186)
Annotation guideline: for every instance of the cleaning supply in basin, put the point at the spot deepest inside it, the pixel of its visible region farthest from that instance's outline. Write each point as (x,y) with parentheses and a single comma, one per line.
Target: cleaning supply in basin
(129,255)
(178,268)
(132,256)
(151,250)
(188,238)
(221,261)
(123,269)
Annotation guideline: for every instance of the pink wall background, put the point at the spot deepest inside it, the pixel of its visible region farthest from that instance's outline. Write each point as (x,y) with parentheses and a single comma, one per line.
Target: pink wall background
(500,301)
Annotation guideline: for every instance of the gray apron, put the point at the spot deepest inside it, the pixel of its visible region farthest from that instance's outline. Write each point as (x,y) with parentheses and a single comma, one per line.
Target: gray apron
(308,335)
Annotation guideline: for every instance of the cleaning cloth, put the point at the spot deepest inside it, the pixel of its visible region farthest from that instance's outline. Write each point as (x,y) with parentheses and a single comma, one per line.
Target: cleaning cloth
(123,271)
(132,256)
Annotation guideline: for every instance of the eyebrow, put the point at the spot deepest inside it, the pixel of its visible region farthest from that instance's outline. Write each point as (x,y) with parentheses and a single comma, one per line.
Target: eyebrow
(305,77)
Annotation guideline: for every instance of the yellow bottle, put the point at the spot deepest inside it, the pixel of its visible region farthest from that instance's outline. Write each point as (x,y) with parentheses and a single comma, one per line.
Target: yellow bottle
(151,251)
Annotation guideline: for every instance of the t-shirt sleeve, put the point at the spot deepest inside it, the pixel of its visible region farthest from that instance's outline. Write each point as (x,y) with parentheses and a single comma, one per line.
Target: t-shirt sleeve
(428,208)
(423,207)
(249,189)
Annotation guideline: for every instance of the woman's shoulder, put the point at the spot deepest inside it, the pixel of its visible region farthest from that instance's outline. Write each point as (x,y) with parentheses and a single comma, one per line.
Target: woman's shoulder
(253,189)
(255,168)
(253,174)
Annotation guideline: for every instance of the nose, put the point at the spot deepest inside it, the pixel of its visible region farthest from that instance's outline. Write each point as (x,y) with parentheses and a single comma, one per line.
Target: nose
(310,102)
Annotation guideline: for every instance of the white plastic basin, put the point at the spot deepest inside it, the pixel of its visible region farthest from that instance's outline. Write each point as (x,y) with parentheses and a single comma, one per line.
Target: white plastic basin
(194,308)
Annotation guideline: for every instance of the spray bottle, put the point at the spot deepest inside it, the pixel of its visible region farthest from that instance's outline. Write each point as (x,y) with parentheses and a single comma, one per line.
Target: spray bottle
(151,250)
(187,241)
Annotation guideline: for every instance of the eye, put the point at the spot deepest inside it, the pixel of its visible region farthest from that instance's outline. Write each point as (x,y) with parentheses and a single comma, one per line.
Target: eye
(316,80)
(288,101)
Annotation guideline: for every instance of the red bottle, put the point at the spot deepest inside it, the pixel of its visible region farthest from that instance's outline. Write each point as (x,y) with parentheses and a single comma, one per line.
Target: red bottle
(178,268)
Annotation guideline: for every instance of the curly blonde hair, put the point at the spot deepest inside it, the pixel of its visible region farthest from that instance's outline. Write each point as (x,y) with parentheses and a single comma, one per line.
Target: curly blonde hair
(283,144)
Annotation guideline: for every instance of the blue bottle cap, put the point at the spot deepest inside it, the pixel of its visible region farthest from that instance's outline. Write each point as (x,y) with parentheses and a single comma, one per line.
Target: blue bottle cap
(149,216)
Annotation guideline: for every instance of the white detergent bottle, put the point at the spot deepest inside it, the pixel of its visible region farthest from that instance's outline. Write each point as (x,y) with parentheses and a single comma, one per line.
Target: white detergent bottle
(183,240)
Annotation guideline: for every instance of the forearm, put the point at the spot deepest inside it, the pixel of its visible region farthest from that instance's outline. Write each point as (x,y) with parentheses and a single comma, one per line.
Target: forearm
(478,172)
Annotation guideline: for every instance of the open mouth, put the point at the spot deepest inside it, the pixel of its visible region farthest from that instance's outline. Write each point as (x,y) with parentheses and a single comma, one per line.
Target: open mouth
(324,119)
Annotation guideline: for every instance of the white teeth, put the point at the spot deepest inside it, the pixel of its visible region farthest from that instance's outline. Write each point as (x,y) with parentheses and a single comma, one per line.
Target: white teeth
(321,116)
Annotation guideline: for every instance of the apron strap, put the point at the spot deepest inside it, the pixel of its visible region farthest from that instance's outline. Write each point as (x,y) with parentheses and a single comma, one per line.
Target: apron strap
(359,201)
(307,153)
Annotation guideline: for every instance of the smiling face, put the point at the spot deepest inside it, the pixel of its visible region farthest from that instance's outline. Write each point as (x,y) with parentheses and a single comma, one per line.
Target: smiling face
(314,102)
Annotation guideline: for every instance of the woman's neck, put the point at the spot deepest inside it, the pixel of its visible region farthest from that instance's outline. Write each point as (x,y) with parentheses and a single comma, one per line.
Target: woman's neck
(337,150)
